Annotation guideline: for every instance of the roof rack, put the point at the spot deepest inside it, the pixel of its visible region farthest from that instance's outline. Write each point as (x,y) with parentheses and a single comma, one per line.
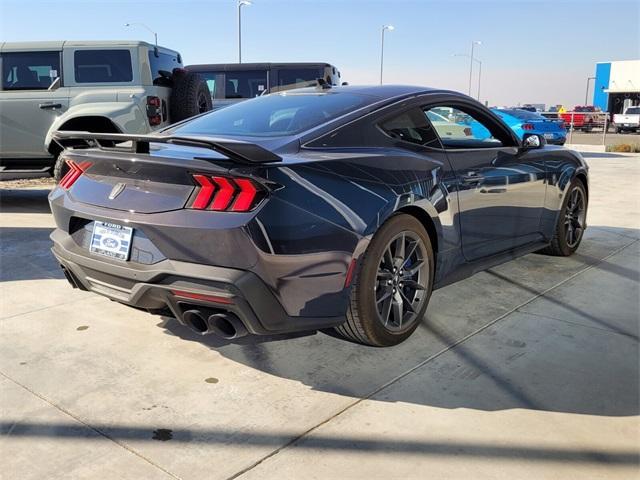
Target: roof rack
(243,152)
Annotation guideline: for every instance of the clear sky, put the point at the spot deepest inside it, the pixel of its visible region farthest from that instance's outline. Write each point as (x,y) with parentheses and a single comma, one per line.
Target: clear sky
(532,51)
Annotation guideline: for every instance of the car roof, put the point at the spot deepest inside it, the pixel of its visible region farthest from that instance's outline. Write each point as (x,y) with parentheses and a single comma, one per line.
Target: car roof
(60,44)
(254,66)
(379,91)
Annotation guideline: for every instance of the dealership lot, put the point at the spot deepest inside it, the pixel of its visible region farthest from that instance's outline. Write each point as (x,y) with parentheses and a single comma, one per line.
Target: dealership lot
(528,370)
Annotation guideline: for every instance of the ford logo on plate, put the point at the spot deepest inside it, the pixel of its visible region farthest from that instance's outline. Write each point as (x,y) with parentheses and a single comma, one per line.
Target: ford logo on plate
(110,242)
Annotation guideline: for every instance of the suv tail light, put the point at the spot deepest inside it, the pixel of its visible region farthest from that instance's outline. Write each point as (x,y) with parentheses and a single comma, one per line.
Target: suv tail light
(226,194)
(74,173)
(527,126)
(154,110)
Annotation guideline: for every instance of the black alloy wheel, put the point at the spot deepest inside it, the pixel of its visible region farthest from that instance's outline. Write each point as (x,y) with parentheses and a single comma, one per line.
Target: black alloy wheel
(572,222)
(574,217)
(392,285)
(401,283)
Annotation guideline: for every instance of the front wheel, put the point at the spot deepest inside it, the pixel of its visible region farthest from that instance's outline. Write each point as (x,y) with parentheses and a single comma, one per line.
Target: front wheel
(392,289)
(571,222)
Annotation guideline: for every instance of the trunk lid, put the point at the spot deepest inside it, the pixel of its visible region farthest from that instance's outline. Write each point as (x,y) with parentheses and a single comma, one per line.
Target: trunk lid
(157,182)
(126,173)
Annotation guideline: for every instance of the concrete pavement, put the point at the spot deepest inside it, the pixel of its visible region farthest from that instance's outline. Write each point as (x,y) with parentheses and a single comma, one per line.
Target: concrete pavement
(529,370)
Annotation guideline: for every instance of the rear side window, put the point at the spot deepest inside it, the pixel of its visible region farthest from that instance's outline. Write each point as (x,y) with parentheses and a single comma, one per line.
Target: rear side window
(29,70)
(299,77)
(210,78)
(245,84)
(102,66)
(412,126)
(274,115)
(163,62)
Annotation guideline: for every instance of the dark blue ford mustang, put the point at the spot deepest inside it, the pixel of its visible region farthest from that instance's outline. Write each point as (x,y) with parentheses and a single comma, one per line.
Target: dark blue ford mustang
(325,207)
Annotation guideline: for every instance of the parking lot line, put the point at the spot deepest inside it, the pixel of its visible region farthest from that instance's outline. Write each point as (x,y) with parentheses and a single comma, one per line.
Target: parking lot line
(467,371)
(452,346)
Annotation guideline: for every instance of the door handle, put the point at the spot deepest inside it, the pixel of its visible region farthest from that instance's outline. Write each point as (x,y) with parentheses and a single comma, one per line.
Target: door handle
(472,177)
(493,190)
(50,106)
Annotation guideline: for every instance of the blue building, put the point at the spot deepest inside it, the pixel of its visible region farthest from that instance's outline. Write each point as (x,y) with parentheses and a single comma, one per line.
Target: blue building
(617,85)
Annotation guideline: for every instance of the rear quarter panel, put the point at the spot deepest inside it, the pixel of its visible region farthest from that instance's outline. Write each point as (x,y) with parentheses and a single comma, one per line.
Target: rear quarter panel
(328,210)
(562,165)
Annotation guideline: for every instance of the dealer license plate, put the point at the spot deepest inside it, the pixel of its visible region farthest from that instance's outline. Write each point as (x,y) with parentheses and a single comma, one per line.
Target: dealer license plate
(111,240)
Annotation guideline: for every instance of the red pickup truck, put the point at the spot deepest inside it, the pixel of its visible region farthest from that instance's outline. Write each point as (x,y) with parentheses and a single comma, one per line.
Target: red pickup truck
(584,118)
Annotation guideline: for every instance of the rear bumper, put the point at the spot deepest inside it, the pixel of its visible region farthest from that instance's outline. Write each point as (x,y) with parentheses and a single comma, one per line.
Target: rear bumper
(153,287)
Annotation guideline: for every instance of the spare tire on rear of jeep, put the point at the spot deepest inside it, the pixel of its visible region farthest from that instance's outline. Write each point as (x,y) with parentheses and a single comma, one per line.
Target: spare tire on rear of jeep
(190,96)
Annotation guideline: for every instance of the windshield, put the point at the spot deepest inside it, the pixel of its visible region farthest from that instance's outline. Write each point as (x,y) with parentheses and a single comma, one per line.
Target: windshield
(633,110)
(521,114)
(275,115)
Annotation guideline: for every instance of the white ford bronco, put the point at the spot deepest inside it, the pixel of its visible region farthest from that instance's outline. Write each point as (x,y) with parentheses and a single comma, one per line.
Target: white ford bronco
(107,86)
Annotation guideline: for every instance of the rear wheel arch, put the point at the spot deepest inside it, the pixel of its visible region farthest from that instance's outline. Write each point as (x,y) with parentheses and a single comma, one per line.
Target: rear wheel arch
(427,222)
(583,178)
(96,124)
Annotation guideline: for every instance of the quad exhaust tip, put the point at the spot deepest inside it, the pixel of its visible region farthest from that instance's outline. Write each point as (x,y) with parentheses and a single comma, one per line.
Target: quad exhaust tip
(223,324)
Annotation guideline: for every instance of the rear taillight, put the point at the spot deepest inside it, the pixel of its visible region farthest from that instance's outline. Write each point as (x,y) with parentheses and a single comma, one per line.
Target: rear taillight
(527,126)
(154,110)
(74,173)
(225,194)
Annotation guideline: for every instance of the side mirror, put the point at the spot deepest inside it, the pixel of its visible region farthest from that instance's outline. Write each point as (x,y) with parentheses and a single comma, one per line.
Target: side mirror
(531,141)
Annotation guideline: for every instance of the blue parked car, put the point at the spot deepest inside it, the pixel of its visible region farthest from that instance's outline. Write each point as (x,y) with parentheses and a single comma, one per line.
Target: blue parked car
(522,121)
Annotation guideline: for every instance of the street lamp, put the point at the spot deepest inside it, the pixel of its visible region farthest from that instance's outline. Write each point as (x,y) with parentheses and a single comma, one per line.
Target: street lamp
(384,28)
(240,4)
(155,35)
(479,68)
(473,44)
(586,94)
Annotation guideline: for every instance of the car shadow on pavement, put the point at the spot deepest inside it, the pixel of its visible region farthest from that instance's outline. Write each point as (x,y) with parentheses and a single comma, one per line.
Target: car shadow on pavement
(578,361)
(26,254)
(31,200)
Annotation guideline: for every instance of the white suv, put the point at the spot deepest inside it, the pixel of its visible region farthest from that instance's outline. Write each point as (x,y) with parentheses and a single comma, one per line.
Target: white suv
(113,87)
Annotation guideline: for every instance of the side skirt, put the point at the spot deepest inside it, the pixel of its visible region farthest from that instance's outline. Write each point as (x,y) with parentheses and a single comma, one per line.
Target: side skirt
(468,269)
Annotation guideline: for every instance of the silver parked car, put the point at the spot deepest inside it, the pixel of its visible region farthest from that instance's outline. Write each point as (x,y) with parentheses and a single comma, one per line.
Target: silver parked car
(107,86)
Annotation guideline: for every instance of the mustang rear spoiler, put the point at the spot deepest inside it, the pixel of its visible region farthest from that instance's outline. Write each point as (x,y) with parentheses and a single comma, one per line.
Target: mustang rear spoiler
(244,152)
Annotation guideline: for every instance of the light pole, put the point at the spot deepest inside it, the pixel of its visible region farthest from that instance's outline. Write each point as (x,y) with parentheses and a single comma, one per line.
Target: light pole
(384,28)
(155,35)
(586,94)
(479,68)
(240,4)
(473,44)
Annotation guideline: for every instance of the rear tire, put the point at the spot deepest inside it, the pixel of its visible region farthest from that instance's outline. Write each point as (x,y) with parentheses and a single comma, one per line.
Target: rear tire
(190,96)
(571,222)
(60,168)
(395,278)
